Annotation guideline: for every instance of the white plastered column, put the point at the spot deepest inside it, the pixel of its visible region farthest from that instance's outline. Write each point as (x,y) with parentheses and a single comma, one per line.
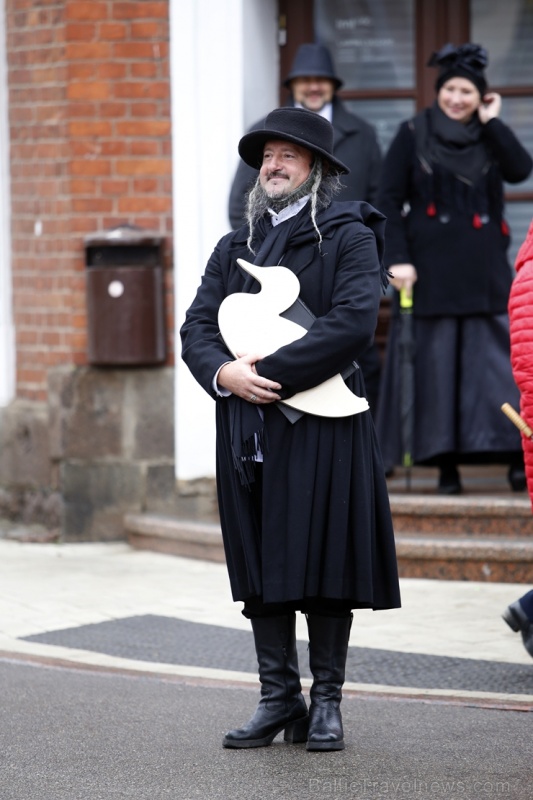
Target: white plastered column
(224,75)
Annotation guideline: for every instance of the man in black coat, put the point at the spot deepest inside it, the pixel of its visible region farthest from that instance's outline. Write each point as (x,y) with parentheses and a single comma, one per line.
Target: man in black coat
(303,502)
(313,84)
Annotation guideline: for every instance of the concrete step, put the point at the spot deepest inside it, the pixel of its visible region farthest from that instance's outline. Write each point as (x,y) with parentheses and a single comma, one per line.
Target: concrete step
(477,480)
(435,554)
(492,558)
(483,515)
(177,537)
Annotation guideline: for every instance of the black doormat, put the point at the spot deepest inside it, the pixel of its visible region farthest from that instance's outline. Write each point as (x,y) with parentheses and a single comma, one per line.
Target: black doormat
(169,640)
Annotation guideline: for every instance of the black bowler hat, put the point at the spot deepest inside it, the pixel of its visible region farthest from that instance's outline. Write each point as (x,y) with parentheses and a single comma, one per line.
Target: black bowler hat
(313,60)
(296,125)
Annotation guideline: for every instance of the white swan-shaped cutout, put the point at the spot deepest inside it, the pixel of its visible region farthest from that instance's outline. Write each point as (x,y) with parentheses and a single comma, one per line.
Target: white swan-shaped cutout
(251,323)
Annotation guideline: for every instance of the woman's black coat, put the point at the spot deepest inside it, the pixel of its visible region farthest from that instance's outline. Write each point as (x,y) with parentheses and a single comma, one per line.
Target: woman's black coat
(453,231)
(457,240)
(326,525)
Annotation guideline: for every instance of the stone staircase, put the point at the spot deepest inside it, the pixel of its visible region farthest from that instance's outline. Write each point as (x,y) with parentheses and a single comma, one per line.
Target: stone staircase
(479,539)
(485,534)
(174,536)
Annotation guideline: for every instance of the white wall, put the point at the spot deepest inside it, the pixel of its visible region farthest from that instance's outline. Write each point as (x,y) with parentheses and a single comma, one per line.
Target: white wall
(7,346)
(224,75)
(261,59)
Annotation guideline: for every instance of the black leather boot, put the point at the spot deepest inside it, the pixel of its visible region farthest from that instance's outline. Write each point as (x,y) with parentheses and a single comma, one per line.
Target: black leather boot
(282,705)
(450,480)
(328,648)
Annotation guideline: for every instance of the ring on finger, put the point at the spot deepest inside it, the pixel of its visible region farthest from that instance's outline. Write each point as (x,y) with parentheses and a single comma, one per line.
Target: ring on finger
(253,398)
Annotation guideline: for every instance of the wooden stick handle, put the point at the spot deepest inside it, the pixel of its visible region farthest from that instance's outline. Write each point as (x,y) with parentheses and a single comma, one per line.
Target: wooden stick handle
(515,417)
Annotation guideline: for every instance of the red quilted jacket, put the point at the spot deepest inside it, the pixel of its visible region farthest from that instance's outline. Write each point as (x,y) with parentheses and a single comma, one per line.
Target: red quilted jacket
(521,318)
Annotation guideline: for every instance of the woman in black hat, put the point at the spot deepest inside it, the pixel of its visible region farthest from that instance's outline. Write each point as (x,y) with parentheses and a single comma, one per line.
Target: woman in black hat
(303,502)
(447,240)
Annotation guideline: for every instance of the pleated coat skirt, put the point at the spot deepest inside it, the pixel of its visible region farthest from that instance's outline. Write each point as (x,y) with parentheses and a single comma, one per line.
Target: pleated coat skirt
(462,376)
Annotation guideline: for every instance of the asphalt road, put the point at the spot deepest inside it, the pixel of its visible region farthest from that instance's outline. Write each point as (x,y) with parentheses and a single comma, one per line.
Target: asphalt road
(74,734)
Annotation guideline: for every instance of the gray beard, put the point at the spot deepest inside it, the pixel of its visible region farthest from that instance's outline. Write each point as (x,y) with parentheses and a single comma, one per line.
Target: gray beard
(258,201)
(281,201)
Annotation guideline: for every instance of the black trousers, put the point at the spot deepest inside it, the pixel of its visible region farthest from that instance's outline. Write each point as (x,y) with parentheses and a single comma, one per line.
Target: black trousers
(321,606)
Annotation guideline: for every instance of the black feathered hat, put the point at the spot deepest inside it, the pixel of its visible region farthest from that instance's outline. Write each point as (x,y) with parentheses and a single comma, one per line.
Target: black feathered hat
(466,61)
(296,125)
(313,60)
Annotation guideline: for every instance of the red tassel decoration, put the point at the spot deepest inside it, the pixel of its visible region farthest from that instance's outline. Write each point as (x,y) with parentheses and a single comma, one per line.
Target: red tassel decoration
(505,228)
(476,221)
(431,210)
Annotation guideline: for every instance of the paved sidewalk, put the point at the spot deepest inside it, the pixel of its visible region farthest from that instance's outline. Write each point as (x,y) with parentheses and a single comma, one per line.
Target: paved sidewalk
(76,603)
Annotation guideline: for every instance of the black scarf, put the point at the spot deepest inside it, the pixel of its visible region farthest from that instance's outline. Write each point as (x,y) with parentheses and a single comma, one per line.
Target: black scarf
(247,426)
(456,146)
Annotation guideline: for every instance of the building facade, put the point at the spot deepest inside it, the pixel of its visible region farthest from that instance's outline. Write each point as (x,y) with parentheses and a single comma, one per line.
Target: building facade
(126,114)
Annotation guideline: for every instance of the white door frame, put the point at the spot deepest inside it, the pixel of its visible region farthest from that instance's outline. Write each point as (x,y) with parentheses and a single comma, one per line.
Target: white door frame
(217,47)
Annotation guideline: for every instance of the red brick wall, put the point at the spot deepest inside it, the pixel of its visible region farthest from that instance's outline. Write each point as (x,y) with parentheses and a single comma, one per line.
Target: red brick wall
(90,149)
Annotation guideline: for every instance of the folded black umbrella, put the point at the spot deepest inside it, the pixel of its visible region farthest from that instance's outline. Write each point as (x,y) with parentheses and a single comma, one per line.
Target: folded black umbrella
(407,381)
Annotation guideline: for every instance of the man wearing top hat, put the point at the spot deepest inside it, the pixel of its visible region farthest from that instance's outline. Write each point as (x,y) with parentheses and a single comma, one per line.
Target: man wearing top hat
(303,505)
(313,84)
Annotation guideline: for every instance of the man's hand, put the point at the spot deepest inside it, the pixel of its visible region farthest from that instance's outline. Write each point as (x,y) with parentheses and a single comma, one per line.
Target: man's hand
(404,277)
(240,378)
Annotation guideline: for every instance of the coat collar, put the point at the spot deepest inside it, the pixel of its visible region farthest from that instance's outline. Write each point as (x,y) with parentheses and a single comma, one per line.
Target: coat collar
(338,213)
(238,249)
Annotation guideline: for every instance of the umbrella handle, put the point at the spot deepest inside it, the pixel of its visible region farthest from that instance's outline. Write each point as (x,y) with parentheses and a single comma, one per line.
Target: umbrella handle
(406,300)
(515,417)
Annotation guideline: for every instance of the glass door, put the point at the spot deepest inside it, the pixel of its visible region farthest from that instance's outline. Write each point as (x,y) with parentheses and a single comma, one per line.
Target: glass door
(373,45)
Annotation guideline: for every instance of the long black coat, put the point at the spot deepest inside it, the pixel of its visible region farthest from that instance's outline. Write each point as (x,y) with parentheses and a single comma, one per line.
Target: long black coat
(456,237)
(354,143)
(326,526)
